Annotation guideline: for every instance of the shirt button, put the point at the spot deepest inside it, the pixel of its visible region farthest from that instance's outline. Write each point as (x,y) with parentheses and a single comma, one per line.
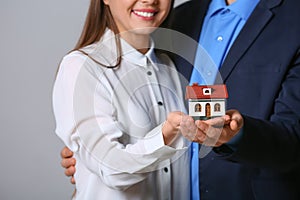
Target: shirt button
(149,73)
(220,38)
(166,169)
(160,103)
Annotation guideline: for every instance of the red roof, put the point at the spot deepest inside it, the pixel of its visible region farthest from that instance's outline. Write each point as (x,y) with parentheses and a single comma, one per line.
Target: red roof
(196,91)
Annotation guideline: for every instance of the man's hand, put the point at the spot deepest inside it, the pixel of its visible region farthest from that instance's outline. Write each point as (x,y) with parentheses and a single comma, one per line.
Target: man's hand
(212,132)
(68,162)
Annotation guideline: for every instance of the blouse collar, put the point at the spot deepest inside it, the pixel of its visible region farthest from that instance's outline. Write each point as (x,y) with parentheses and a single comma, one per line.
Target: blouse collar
(106,52)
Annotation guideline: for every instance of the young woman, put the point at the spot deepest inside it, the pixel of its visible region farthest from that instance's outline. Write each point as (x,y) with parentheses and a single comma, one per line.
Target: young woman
(118,106)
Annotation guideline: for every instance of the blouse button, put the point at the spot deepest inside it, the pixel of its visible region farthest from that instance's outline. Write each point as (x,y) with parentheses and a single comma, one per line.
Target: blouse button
(149,73)
(166,169)
(160,103)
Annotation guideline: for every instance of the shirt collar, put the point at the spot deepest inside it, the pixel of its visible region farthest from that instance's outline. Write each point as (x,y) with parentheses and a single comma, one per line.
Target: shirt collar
(132,55)
(215,6)
(243,8)
(105,51)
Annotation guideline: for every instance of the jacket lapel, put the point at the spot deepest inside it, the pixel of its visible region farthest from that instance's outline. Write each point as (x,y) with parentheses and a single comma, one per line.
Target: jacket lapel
(257,21)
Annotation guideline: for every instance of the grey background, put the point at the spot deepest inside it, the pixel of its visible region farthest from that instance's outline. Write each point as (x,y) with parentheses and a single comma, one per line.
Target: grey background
(34,35)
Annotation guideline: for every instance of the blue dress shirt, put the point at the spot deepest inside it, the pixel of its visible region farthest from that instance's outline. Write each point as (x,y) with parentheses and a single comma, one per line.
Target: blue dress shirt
(221,26)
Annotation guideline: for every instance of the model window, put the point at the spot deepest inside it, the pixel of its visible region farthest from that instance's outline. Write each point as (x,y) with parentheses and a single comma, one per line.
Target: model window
(217,107)
(198,107)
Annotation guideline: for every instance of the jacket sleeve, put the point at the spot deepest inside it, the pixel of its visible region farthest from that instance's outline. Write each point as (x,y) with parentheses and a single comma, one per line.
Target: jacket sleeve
(275,141)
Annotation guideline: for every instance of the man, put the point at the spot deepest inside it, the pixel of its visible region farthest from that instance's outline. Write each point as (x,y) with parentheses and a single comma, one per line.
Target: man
(262,72)
(261,69)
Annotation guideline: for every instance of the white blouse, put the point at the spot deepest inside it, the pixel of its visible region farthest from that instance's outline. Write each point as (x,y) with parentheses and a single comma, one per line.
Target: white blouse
(112,120)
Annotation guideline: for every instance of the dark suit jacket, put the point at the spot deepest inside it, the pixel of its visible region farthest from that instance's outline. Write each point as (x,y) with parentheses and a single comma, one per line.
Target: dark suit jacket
(262,74)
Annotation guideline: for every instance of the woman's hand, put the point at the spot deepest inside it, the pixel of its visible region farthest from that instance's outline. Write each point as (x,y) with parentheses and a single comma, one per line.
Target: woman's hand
(171,127)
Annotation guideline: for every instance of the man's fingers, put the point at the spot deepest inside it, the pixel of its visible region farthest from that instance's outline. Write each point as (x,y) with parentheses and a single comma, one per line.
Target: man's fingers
(209,133)
(202,125)
(70,171)
(68,162)
(72,180)
(66,153)
(234,125)
(209,130)
(218,121)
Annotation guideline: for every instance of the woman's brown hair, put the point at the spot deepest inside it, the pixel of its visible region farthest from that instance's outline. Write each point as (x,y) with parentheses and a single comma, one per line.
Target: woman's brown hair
(97,20)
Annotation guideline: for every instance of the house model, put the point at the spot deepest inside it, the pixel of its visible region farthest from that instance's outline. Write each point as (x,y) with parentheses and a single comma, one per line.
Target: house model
(206,101)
